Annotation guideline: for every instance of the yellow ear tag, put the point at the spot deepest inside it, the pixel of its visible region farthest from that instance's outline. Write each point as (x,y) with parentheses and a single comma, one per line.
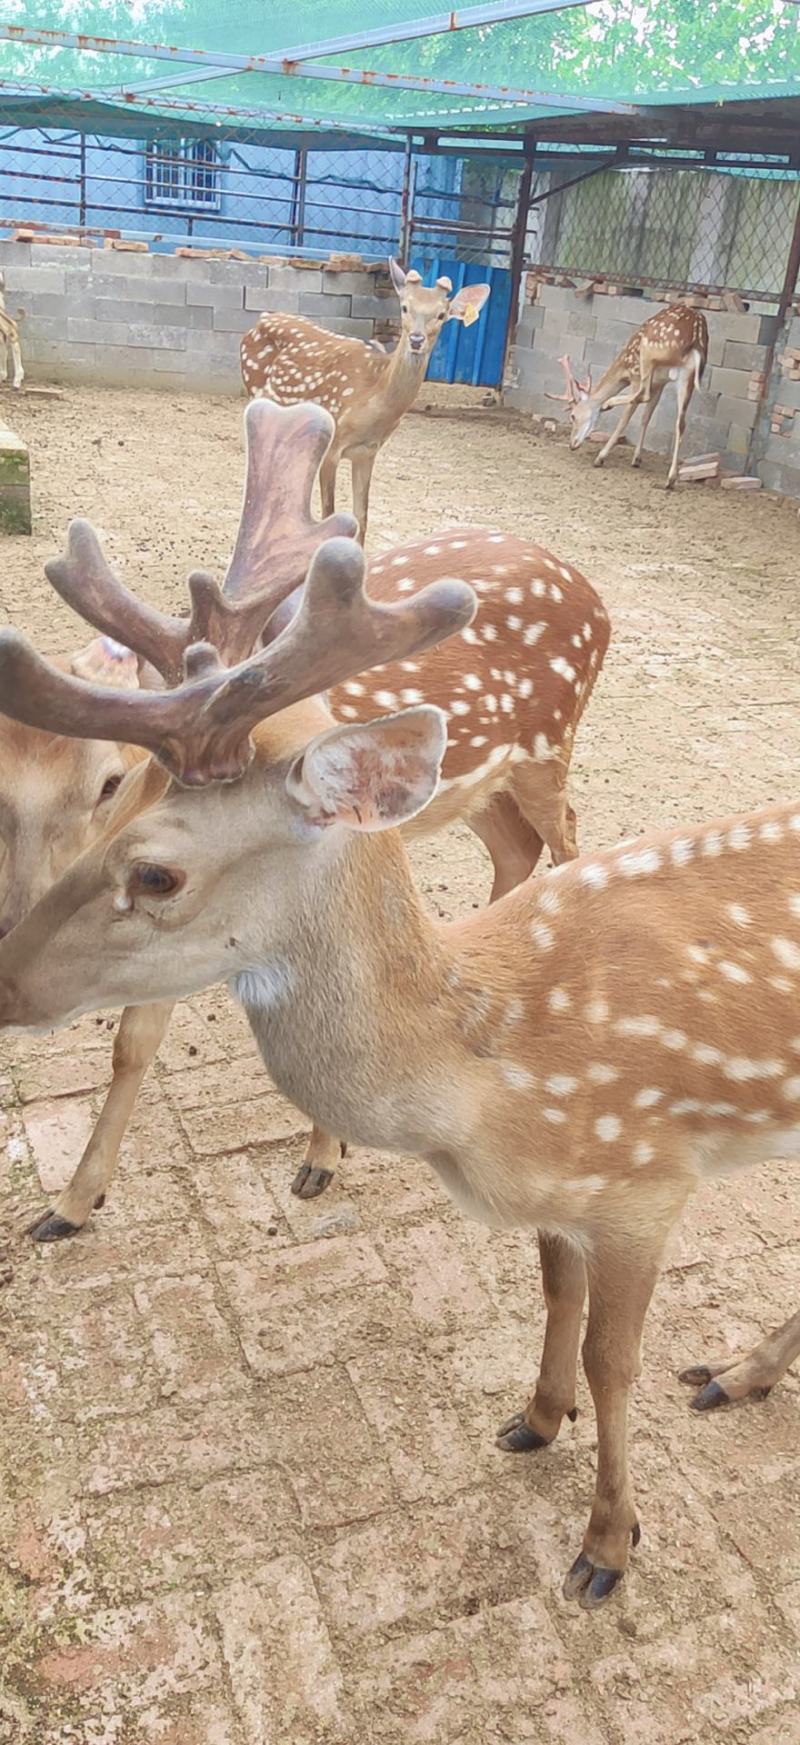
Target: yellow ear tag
(470,314)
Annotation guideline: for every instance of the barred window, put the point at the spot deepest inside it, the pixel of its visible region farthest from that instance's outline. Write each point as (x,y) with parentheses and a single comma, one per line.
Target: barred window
(183,174)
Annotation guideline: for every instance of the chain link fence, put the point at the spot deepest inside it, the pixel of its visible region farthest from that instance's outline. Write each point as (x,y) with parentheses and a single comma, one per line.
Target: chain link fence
(672,228)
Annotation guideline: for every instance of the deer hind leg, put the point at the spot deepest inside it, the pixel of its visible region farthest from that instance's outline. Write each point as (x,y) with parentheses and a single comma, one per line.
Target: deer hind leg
(513,843)
(621,1282)
(141,1030)
(540,792)
(647,414)
(619,429)
(564,1284)
(756,1373)
(361,465)
(685,389)
(327,485)
(317,1169)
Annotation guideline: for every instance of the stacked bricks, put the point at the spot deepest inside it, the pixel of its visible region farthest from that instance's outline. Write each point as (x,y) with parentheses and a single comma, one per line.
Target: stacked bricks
(779,450)
(592,331)
(124,316)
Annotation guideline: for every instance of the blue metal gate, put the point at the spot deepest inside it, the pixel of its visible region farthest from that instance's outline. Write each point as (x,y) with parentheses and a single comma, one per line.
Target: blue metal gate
(475,353)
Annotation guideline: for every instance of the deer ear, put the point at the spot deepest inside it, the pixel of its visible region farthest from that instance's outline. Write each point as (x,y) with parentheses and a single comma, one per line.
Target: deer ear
(373,775)
(106,662)
(397,275)
(467,303)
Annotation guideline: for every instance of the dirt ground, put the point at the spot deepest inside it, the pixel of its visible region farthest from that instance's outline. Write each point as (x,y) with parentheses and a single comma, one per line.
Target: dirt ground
(251,1488)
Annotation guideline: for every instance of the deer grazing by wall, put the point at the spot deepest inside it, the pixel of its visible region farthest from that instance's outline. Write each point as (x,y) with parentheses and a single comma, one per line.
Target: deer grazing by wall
(669,347)
(574,1059)
(514,687)
(288,359)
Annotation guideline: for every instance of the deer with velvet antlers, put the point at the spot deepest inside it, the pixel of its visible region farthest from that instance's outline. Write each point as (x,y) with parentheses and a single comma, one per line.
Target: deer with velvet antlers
(366,390)
(513,688)
(574,1059)
(669,347)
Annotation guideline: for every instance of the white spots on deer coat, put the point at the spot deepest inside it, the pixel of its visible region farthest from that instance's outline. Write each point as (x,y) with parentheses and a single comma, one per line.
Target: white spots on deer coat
(469,635)
(608,1128)
(562,667)
(740,837)
(594,874)
(739,914)
(542,935)
(771,830)
(645,1024)
(633,866)
(543,751)
(354,688)
(559,1000)
(556,1117)
(518,1077)
(532,633)
(790,1089)
(560,1085)
(598,1012)
(385,699)
(458,707)
(786,952)
(599,1073)
(643,1153)
(647,1098)
(409,695)
(550,903)
(471,682)
(734,972)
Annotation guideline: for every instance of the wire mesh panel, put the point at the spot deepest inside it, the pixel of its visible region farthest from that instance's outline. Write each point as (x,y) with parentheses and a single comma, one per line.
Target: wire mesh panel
(677,228)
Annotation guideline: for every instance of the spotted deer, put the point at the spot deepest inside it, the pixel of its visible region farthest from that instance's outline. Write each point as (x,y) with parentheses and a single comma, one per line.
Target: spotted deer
(9,338)
(513,689)
(671,346)
(366,390)
(573,1059)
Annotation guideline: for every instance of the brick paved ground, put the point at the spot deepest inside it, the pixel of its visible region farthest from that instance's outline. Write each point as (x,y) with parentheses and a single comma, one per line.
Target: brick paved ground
(252,1493)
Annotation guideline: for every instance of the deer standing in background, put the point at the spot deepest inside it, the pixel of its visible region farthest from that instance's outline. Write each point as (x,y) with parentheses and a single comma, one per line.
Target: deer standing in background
(574,1059)
(366,390)
(513,687)
(9,338)
(669,347)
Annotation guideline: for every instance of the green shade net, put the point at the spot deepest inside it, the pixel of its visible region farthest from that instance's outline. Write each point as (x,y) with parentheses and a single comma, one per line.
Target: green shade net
(649,52)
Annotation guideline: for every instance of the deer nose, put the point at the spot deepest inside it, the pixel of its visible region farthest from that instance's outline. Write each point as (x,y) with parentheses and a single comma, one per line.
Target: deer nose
(416,341)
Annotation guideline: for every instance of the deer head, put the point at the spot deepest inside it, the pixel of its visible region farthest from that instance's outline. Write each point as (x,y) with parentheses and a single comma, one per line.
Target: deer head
(170,874)
(583,410)
(425,309)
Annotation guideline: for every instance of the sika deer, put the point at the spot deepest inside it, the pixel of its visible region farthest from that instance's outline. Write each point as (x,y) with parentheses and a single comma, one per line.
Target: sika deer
(366,390)
(669,347)
(9,339)
(576,1058)
(514,691)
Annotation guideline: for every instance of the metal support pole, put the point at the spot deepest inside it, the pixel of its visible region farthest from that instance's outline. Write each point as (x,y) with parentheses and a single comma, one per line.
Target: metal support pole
(406,203)
(783,315)
(299,197)
(518,234)
(82,210)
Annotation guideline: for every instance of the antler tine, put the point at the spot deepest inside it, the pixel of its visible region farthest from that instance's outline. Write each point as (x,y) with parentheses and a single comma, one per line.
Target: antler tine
(85,580)
(571,395)
(200,731)
(278,535)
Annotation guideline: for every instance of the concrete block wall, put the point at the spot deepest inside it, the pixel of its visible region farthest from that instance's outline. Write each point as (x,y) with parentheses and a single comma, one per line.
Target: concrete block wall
(722,413)
(131,319)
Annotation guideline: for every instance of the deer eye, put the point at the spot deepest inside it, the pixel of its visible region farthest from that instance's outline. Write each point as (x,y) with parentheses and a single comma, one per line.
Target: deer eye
(403,308)
(154,881)
(441,315)
(109,787)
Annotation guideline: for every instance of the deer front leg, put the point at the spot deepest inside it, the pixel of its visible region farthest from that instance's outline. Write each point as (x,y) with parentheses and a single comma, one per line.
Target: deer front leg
(621,1282)
(18,375)
(621,425)
(361,465)
(564,1285)
(141,1031)
(318,1166)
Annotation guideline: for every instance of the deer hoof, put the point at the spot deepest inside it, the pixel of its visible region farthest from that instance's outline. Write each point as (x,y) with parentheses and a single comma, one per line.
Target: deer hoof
(590,1583)
(309,1182)
(710,1397)
(600,461)
(517,1437)
(53,1228)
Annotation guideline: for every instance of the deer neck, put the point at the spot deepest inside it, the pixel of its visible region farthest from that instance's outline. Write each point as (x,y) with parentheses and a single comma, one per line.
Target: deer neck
(614,377)
(404,376)
(354,1007)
